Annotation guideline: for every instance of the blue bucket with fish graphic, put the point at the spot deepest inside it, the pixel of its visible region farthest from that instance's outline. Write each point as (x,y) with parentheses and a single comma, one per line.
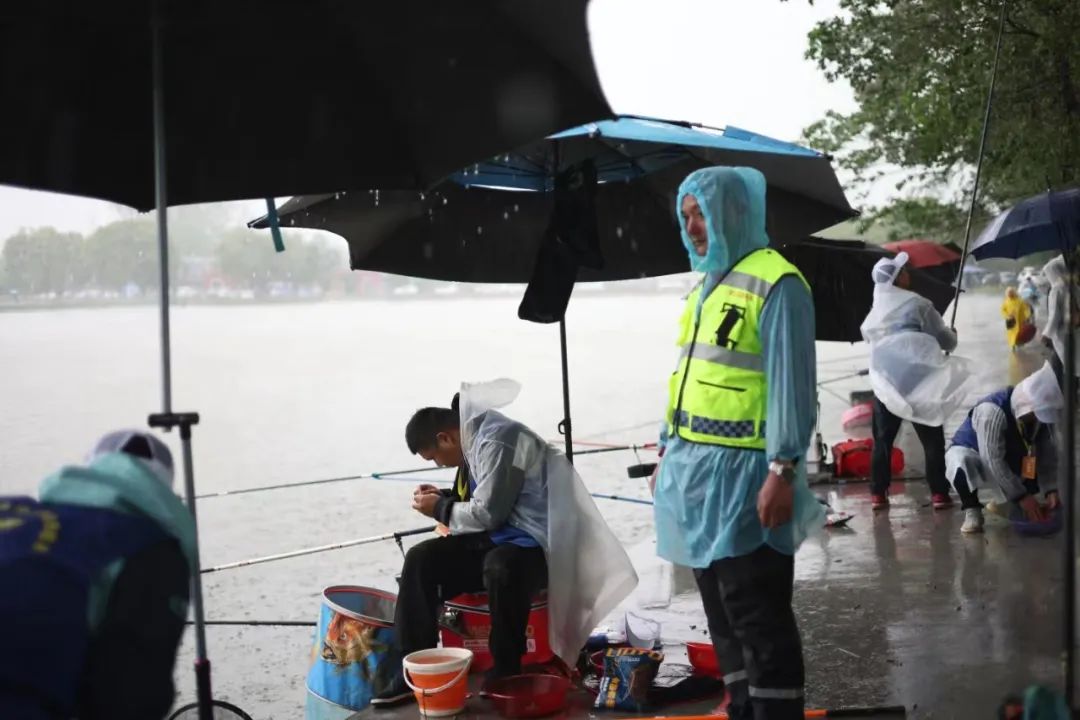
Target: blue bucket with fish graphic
(349,658)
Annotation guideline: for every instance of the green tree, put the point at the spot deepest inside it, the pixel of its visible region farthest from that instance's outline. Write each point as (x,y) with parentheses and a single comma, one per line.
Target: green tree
(920,70)
(43,260)
(123,252)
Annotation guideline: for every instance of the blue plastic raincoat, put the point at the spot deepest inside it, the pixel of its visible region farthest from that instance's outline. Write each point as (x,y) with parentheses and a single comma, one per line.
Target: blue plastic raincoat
(706,495)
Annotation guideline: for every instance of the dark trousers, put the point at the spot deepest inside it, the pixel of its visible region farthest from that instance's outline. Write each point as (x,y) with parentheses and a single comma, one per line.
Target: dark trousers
(886,426)
(748,606)
(969,496)
(438,569)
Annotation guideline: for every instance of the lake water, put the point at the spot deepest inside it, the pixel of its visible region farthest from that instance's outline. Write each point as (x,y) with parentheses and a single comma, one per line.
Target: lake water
(289,393)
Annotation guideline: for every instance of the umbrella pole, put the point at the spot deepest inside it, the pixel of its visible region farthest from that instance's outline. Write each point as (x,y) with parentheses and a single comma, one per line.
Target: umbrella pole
(565,426)
(1068,487)
(167,419)
(979,164)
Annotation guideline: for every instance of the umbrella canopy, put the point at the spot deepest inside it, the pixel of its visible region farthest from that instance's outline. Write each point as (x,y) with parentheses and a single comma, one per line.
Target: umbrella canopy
(481,235)
(803,193)
(936,259)
(467,230)
(266,99)
(838,272)
(1046,222)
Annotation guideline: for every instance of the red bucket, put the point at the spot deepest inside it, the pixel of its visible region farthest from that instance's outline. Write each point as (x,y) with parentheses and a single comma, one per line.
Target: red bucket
(466,623)
(702,657)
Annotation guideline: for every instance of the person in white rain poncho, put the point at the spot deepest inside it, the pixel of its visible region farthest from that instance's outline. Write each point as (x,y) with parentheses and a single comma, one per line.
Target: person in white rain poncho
(1057,302)
(912,377)
(518,519)
(1006,446)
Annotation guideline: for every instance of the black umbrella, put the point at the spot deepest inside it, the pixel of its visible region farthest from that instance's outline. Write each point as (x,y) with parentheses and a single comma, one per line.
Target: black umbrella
(266,98)
(838,272)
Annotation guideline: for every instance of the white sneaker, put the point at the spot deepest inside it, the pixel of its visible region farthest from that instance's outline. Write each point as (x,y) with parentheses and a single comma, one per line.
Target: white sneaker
(973,521)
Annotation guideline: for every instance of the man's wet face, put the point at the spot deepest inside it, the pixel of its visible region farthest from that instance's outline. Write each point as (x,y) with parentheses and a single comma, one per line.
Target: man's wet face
(694,222)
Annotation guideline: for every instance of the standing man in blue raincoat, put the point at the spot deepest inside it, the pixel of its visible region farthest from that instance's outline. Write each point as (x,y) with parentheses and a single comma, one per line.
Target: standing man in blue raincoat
(731,498)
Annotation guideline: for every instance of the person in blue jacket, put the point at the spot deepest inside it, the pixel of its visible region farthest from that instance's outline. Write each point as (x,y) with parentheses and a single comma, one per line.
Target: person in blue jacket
(95,587)
(731,497)
(1007,447)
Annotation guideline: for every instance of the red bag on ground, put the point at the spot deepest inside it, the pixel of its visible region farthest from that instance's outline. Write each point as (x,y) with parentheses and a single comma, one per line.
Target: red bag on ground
(852,458)
(1026,334)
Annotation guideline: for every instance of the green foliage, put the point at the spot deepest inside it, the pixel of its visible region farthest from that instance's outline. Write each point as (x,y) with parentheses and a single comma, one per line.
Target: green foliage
(120,253)
(920,70)
(44,260)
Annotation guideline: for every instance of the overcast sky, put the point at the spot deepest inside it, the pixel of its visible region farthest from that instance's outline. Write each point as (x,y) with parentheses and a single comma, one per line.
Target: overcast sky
(718,62)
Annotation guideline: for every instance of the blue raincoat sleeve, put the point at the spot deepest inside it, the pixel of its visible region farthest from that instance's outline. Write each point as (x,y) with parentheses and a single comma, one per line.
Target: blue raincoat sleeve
(787,333)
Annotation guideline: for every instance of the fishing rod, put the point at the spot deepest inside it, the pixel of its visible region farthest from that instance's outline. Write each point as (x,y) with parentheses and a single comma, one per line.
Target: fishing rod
(380,475)
(396,536)
(979,165)
(619,498)
(257,623)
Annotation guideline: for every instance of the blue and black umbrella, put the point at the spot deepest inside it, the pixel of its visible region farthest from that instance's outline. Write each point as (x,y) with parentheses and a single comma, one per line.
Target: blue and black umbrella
(1049,221)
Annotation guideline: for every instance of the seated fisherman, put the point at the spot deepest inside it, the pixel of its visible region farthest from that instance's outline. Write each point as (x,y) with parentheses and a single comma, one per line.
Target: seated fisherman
(502,538)
(95,587)
(1007,444)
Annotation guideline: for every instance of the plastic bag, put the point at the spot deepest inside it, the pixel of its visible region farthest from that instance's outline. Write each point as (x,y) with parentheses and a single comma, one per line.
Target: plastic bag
(628,678)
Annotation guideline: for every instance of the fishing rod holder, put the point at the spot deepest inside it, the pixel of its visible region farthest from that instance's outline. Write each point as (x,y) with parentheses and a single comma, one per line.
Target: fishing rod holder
(169,420)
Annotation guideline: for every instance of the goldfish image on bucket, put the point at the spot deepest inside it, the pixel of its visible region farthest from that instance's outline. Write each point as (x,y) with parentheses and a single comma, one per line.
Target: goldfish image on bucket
(349,654)
(439,677)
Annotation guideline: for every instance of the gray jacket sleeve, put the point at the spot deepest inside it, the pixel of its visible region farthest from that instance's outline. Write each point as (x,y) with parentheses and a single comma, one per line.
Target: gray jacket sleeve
(934,324)
(498,466)
(990,424)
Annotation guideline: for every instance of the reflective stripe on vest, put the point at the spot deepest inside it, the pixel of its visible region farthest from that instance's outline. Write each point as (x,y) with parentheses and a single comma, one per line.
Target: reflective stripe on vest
(717,394)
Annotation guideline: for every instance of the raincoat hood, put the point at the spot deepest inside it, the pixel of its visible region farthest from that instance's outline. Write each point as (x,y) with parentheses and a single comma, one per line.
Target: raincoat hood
(1055,271)
(1038,393)
(589,572)
(732,199)
(123,483)
(886,270)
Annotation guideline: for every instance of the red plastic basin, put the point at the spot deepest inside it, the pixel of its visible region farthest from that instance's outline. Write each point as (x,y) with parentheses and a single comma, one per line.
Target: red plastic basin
(703,658)
(529,696)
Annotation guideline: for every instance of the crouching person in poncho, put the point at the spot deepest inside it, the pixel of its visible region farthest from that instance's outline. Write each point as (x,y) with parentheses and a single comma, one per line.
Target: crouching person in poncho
(519,520)
(1007,447)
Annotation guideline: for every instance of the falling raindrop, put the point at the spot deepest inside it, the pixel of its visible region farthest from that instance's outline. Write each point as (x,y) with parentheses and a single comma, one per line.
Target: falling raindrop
(618,232)
(479,230)
(422,196)
(337,196)
(506,215)
(292,221)
(444,201)
(516,208)
(429,251)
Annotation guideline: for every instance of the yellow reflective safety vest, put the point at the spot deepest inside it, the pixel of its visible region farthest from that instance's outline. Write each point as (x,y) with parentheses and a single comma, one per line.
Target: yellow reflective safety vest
(718,394)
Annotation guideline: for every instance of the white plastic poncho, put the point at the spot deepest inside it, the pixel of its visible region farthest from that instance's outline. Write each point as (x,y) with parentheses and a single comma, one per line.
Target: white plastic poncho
(1057,272)
(909,370)
(589,571)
